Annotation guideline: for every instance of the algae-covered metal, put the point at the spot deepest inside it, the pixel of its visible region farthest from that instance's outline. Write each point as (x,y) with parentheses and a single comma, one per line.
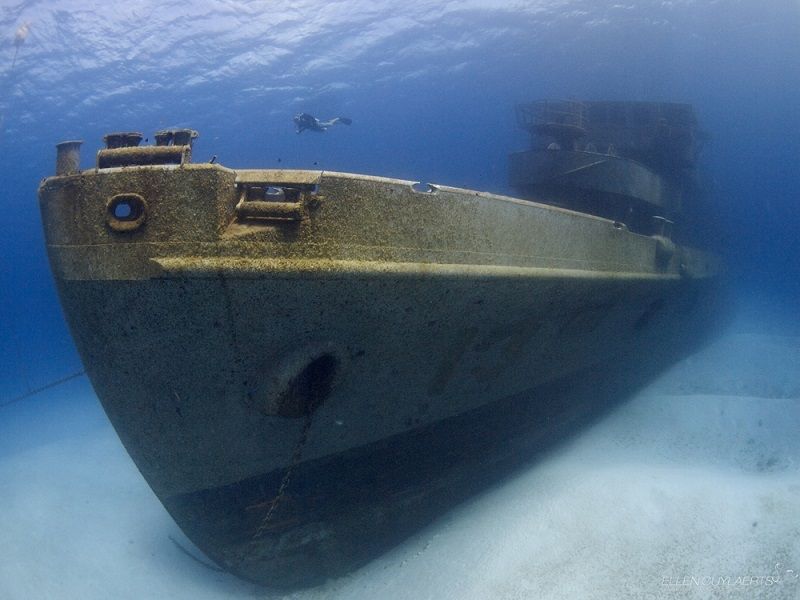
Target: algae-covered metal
(626,161)
(308,365)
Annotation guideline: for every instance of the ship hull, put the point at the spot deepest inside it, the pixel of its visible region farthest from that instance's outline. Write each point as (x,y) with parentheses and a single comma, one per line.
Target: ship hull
(304,385)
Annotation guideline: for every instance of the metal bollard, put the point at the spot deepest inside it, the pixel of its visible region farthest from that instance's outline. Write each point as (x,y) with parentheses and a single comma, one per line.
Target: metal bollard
(122,139)
(68,157)
(183,137)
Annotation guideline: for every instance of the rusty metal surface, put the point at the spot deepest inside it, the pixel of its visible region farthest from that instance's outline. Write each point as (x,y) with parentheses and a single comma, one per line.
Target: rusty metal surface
(125,156)
(591,171)
(419,279)
(216,340)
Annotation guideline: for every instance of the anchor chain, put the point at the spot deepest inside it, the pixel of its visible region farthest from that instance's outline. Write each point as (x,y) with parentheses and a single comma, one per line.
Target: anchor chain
(287,476)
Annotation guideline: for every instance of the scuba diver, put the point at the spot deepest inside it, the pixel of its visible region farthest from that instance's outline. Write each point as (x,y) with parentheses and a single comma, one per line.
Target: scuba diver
(305,121)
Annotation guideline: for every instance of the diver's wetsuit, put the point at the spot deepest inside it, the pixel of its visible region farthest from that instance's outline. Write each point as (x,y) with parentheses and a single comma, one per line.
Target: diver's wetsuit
(305,121)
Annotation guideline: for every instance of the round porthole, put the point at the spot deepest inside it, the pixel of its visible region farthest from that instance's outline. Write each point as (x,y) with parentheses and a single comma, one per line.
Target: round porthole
(126,212)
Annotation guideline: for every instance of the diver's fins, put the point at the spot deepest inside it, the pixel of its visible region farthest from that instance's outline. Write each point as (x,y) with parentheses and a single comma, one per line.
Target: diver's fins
(344,120)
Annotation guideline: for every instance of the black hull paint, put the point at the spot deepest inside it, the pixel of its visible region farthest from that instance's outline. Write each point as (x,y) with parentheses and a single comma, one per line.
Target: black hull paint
(339,512)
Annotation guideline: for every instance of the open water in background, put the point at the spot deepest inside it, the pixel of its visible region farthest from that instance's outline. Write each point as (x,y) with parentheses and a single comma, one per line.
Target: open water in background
(430,87)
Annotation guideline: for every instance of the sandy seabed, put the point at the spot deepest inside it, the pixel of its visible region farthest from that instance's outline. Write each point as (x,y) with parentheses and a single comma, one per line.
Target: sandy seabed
(691,489)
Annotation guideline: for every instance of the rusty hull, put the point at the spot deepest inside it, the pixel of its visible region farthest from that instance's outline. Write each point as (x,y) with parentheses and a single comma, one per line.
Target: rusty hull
(306,365)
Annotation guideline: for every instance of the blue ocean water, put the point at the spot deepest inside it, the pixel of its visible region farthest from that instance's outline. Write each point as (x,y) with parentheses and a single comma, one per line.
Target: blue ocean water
(430,87)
